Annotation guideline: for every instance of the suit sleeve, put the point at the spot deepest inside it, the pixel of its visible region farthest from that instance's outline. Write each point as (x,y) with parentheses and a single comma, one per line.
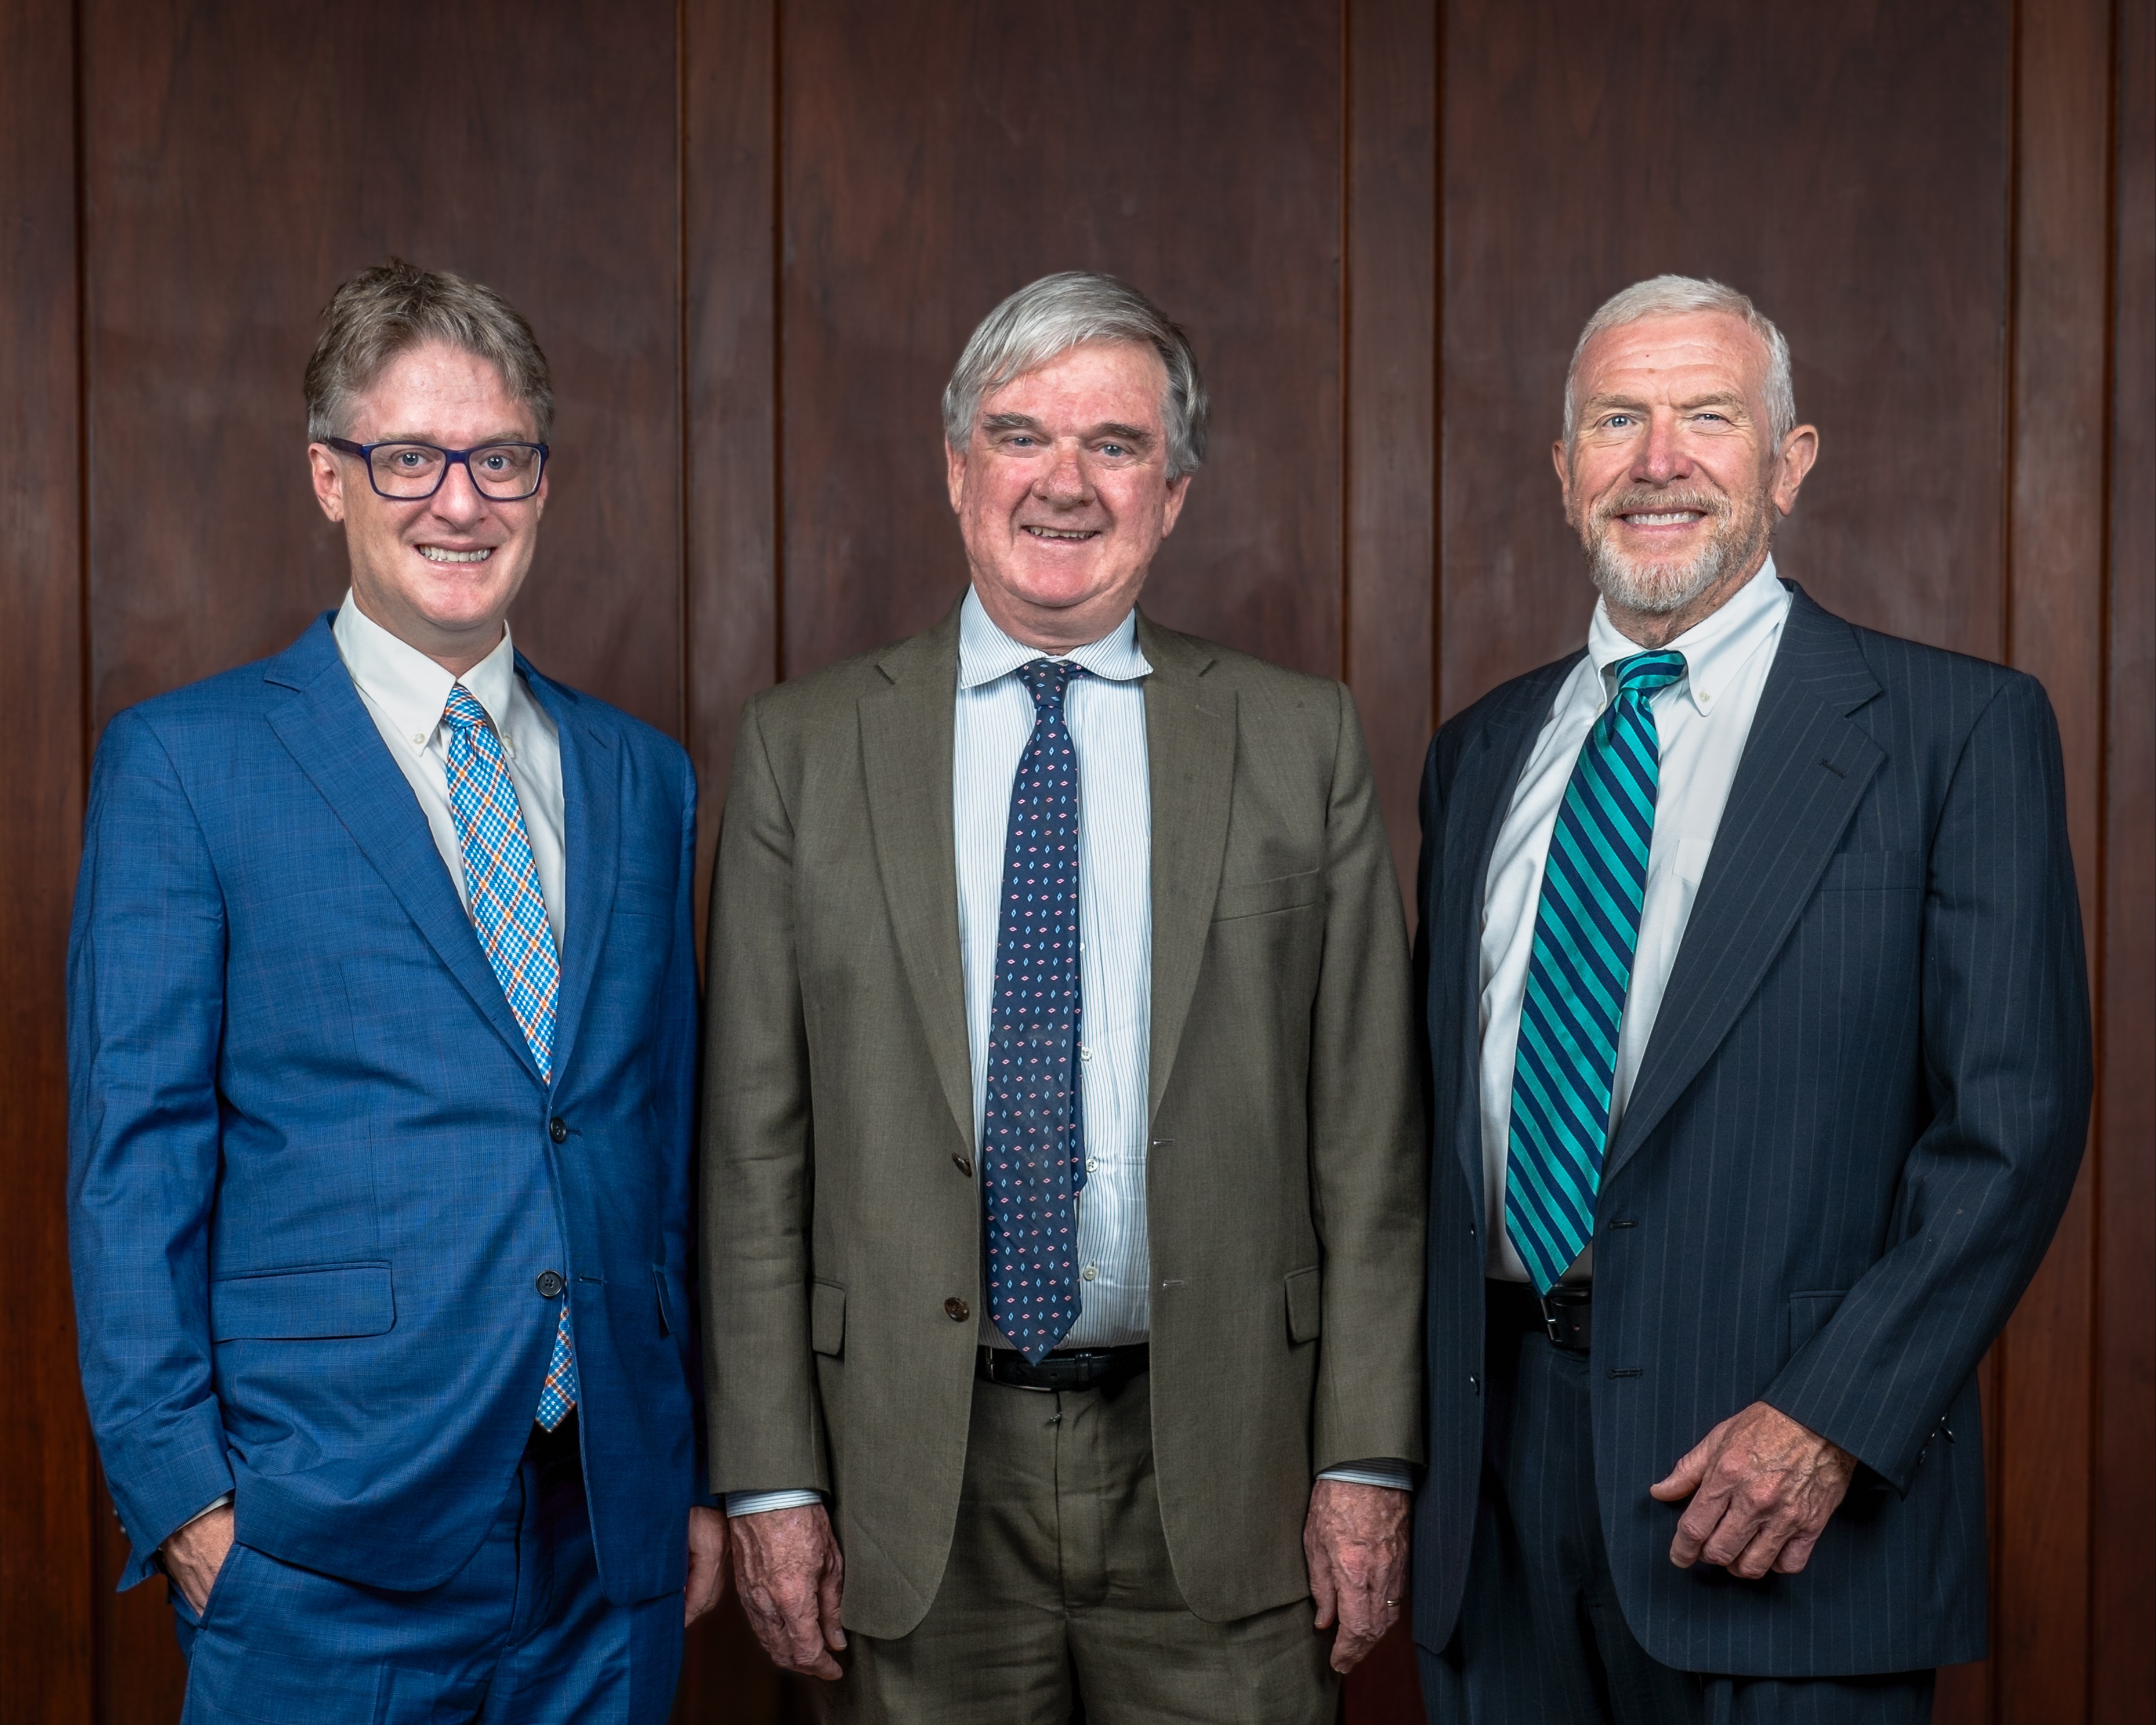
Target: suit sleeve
(1366,1157)
(2006,1041)
(678,1025)
(146,1011)
(765,1420)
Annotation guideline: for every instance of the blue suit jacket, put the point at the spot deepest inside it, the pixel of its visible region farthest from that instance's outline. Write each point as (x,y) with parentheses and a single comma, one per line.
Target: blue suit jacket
(1854,1130)
(313,1171)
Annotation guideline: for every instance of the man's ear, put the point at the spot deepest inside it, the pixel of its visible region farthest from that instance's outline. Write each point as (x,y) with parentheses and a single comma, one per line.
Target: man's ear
(954,477)
(1179,489)
(1561,459)
(327,474)
(1799,450)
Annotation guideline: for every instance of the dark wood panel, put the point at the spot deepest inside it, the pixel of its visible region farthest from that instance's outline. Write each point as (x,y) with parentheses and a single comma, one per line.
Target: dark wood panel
(46,1513)
(1389,460)
(1846,166)
(249,156)
(2055,542)
(730,533)
(937,156)
(2123,1574)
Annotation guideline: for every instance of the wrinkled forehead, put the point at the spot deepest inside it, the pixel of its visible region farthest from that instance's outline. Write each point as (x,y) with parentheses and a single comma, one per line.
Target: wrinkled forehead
(1672,354)
(1090,374)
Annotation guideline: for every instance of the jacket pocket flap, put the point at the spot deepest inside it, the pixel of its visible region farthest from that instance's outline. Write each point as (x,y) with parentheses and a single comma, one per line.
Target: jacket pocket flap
(302,1305)
(827,1317)
(1809,1313)
(1255,898)
(1305,1304)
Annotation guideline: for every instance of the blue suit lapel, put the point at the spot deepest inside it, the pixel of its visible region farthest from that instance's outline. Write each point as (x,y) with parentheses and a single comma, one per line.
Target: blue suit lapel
(1479,798)
(1806,766)
(591,843)
(327,730)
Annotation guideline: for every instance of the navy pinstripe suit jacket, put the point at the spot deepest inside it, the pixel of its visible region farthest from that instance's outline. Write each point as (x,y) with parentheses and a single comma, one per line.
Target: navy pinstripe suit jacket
(1855,1128)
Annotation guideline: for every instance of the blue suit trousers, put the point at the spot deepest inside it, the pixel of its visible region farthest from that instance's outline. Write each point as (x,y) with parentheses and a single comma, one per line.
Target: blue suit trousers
(521,1633)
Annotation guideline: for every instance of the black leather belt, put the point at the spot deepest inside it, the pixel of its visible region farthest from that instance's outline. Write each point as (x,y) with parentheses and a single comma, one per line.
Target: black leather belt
(1565,1314)
(1107,1368)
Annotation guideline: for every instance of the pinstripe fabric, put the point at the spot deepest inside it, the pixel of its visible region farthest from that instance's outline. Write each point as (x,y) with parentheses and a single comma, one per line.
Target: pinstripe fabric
(1851,1135)
(1106,711)
(1585,929)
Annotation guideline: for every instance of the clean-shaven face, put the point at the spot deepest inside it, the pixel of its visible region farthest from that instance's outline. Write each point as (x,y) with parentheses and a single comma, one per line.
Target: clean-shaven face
(1673,479)
(1062,493)
(439,572)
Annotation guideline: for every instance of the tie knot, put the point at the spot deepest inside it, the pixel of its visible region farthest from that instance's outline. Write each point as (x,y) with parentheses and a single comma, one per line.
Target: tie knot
(1046,680)
(1645,673)
(463,709)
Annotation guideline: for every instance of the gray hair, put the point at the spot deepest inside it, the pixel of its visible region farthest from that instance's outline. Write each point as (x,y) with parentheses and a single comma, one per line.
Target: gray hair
(1047,319)
(383,312)
(1671,296)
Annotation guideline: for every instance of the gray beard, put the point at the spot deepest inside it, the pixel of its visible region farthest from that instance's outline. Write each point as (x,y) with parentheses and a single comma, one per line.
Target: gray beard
(1657,589)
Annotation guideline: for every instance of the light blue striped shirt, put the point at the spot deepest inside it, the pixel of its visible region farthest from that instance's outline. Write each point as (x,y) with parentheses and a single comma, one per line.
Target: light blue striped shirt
(1105,710)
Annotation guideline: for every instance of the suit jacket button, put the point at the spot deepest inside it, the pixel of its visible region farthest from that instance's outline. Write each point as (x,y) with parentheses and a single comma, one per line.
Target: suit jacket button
(964,1165)
(549,1284)
(557,1129)
(956,1310)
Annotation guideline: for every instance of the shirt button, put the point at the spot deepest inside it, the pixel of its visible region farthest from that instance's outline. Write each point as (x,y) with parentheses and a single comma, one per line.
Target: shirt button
(1090,1164)
(956,1310)
(419,738)
(1084,1052)
(549,1284)
(1089,1272)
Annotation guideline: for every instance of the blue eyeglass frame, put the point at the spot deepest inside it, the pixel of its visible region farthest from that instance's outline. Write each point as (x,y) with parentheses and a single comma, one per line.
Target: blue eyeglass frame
(450,459)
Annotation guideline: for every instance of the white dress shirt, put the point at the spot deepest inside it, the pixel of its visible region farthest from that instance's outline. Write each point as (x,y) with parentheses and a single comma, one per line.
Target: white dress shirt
(405,693)
(1105,708)
(1702,721)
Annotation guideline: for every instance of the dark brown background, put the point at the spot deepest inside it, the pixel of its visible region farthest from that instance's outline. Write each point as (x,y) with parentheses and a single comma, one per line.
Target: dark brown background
(752,234)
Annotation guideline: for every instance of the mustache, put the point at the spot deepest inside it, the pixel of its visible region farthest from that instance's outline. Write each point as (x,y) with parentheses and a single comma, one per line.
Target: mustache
(1649,500)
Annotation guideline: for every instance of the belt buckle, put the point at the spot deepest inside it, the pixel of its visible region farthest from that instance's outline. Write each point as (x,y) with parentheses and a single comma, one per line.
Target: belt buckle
(1549,1322)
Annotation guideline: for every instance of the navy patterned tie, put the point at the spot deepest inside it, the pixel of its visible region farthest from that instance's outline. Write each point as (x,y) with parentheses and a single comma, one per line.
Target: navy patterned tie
(1032,1144)
(1586,930)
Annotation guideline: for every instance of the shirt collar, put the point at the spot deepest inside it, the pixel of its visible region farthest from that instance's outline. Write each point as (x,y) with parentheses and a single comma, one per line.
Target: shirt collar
(410,687)
(1715,649)
(986,652)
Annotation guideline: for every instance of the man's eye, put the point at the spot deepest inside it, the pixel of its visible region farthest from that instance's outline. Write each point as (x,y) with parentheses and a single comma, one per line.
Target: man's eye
(1113,450)
(1618,422)
(408,458)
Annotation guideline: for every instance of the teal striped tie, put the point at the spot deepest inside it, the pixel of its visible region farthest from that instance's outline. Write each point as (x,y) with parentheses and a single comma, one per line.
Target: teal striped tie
(1585,931)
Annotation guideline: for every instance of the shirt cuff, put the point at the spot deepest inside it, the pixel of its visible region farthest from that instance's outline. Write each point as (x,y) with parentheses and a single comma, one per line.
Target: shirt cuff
(209,1509)
(1394,1475)
(755,1503)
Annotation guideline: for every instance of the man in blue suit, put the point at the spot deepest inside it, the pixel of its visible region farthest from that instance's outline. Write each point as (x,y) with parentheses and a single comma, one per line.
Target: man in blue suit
(1759,1052)
(380,1044)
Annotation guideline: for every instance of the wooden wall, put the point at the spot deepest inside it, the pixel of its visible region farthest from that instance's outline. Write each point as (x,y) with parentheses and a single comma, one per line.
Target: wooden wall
(752,234)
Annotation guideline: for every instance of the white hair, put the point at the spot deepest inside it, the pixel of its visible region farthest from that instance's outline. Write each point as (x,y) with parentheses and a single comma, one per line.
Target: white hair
(1671,295)
(1047,318)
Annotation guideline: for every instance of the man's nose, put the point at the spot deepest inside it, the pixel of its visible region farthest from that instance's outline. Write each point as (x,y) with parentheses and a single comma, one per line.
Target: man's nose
(458,499)
(1662,456)
(1065,481)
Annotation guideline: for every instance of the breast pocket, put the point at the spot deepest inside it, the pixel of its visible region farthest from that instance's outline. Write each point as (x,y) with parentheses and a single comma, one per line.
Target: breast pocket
(1267,898)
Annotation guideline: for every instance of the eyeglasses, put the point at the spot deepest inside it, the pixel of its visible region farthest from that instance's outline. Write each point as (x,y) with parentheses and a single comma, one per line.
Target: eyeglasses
(506,473)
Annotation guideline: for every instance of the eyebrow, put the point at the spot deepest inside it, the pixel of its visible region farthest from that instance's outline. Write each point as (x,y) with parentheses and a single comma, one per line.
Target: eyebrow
(1713,398)
(1114,429)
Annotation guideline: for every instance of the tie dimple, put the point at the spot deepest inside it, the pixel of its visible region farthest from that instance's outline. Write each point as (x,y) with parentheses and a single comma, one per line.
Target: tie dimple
(1033,1135)
(1587,928)
(510,912)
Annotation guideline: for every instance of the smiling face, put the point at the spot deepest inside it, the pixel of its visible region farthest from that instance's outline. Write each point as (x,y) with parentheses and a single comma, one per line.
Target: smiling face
(437,573)
(1062,493)
(1673,479)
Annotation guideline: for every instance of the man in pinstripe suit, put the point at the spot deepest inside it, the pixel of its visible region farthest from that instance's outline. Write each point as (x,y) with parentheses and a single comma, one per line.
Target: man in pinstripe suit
(1759,1045)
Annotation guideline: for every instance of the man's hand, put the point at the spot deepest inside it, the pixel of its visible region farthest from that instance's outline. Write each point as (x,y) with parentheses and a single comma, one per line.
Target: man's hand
(1355,1539)
(194,1555)
(1766,1486)
(707,1564)
(791,1577)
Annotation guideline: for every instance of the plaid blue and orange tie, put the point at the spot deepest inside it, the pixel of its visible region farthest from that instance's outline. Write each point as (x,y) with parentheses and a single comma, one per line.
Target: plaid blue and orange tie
(510,914)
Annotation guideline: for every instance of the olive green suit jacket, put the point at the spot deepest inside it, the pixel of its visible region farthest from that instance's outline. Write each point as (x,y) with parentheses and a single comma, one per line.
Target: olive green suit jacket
(842,1230)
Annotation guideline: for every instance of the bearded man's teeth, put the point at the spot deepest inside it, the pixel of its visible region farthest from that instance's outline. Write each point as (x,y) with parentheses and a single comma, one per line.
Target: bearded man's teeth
(1675,519)
(435,554)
